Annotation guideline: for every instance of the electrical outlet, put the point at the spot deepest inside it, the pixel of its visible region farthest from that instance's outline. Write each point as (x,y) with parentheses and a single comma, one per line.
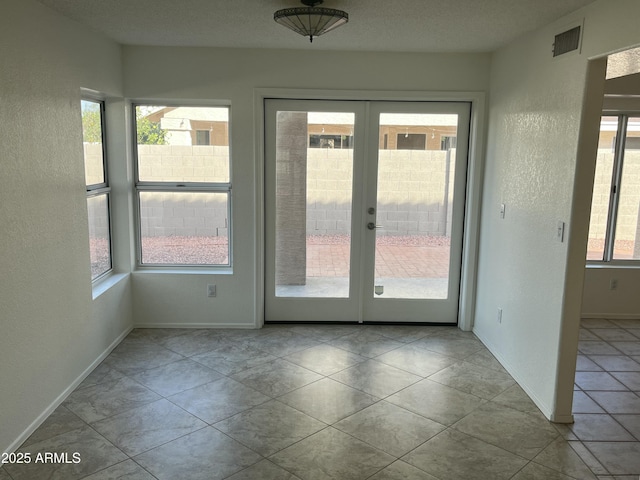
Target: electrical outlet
(503,208)
(613,284)
(211,290)
(499,315)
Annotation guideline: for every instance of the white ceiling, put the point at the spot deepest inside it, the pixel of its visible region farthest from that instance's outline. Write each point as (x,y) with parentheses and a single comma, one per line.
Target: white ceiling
(375,25)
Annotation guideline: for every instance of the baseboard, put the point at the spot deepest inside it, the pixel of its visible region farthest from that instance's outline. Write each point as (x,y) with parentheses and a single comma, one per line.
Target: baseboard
(544,408)
(612,316)
(562,418)
(63,396)
(196,325)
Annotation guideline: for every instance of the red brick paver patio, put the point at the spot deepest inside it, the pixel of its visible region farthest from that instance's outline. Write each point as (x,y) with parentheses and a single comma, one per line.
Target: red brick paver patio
(397,257)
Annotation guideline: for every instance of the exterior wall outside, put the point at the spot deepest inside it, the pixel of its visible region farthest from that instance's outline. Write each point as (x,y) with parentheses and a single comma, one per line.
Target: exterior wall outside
(93,163)
(412,183)
(407,209)
(187,163)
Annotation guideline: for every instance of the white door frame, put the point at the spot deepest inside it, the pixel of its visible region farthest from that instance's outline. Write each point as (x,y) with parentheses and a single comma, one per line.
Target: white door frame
(475,172)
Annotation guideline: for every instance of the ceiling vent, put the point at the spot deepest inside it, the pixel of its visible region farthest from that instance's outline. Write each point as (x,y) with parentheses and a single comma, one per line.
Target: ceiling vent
(566,42)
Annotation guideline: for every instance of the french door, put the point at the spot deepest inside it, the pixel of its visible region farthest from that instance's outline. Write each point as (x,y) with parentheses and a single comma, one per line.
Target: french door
(364,210)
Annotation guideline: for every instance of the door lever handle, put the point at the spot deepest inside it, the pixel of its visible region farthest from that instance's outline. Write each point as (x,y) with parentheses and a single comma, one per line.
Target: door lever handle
(373,226)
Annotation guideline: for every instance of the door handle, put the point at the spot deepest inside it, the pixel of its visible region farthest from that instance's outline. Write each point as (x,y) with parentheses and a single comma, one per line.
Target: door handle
(373,226)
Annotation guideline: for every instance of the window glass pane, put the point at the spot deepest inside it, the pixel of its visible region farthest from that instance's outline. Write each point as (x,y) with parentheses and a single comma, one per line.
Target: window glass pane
(184,228)
(92,142)
(627,239)
(99,236)
(602,188)
(314,174)
(182,144)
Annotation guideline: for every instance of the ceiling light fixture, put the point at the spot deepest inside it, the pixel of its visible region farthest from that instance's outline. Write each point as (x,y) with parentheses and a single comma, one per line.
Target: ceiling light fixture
(311,21)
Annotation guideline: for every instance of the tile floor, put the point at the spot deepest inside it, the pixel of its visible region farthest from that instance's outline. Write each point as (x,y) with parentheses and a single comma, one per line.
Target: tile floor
(338,402)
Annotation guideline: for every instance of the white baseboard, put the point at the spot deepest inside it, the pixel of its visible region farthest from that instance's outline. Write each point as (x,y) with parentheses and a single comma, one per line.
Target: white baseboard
(612,316)
(196,325)
(63,396)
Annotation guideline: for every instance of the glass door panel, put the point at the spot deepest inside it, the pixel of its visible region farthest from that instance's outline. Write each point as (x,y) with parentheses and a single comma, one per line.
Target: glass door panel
(314,175)
(313,198)
(415,211)
(364,210)
(416,166)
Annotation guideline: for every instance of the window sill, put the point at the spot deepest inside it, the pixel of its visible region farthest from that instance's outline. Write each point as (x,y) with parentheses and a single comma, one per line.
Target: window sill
(106,283)
(184,270)
(615,264)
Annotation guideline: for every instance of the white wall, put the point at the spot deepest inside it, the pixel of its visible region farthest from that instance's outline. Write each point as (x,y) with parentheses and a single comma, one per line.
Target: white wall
(536,104)
(233,75)
(51,329)
(599,301)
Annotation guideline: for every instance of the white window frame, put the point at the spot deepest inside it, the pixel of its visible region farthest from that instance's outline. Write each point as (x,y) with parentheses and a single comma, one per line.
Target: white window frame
(103,188)
(180,187)
(614,195)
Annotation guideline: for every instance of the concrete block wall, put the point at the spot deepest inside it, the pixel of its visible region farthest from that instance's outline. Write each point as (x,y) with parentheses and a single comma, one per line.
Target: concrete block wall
(413,183)
(183,214)
(93,168)
(414,187)
(329,191)
(183,163)
(98,217)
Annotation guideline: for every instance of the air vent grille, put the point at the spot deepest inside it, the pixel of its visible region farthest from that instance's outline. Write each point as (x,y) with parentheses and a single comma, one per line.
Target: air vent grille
(566,42)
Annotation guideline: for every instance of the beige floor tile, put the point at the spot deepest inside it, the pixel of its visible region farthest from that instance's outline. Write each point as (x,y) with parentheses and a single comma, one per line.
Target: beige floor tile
(416,360)
(263,470)
(599,427)
(617,402)
(143,428)
(436,402)
(442,457)
(559,456)
(218,400)
(517,432)
(376,378)
(325,359)
(479,381)
(328,400)
(534,471)
(270,427)
(127,470)
(390,428)
(619,458)
(402,471)
(94,453)
(332,454)
(515,397)
(206,454)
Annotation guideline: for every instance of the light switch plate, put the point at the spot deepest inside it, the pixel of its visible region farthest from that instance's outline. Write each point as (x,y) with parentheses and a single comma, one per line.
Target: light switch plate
(560,231)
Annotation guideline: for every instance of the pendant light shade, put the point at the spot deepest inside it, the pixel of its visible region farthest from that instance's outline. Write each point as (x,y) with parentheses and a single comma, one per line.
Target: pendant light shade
(311,21)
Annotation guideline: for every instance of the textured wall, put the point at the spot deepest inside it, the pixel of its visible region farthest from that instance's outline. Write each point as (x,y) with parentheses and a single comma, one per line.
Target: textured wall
(534,109)
(52,330)
(535,119)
